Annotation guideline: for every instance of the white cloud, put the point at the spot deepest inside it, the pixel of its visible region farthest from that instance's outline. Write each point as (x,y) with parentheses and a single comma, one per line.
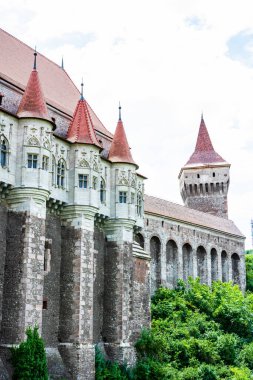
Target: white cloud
(167,61)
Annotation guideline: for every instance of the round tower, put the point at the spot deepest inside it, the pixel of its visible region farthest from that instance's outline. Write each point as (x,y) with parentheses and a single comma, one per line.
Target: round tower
(204,179)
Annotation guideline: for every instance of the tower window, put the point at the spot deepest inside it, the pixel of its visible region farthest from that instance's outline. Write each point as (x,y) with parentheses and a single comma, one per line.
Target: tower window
(213,174)
(45,161)
(197,175)
(32,161)
(83,181)
(61,173)
(4,151)
(102,191)
(122,197)
(44,305)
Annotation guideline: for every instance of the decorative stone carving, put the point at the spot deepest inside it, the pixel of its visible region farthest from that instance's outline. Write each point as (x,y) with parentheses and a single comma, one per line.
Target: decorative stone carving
(33,141)
(83,163)
(46,143)
(123,180)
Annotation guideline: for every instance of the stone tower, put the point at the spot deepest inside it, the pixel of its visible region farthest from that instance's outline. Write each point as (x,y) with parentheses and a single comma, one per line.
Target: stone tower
(204,179)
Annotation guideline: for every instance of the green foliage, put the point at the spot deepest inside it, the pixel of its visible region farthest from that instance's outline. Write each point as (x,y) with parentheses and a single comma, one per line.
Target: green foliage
(107,370)
(198,333)
(249,271)
(29,358)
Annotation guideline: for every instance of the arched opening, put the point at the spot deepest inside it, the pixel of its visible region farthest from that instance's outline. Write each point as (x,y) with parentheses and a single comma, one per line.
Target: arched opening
(139,239)
(214,265)
(171,263)
(187,261)
(235,268)
(102,191)
(4,150)
(155,265)
(224,266)
(202,264)
(61,168)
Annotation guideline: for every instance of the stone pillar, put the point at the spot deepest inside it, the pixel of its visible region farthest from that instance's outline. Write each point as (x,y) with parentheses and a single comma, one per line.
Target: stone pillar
(76,292)
(125,274)
(209,267)
(24,266)
(194,262)
(229,267)
(219,274)
(180,261)
(163,263)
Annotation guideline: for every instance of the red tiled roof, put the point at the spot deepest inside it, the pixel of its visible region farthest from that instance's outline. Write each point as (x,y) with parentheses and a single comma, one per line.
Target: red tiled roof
(163,208)
(59,90)
(33,103)
(119,150)
(204,152)
(81,129)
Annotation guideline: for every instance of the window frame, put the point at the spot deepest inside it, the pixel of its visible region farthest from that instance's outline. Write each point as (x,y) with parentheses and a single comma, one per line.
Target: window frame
(83,179)
(61,173)
(122,196)
(32,160)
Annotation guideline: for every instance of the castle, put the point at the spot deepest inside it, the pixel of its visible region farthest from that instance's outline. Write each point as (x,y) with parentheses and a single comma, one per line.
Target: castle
(81,246)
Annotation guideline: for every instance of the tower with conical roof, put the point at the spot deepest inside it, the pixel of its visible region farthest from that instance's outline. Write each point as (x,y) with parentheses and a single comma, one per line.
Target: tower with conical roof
(204,179)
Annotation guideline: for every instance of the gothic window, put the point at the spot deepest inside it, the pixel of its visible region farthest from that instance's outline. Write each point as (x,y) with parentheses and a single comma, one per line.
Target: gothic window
(202,264)
(53,170)
(139,204)
(83,181)
(139,239)
(187,261)
(61,173)
(122,197)
(94,183)
(214,264)
(32,161)
(45,162)
(171,263)
(102,191)
(235,268)
(4,151)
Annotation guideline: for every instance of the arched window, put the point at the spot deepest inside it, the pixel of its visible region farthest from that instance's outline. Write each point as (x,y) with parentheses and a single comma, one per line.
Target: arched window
(53,170)
(214,264)
(187,261)
(4,151)
(235,268)
(224,266)
(139,204)
(102,191)
(202,264)
(139,239)
(61,173)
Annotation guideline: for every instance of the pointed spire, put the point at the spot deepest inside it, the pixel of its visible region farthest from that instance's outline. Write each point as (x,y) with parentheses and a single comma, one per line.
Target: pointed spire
(81,129)
(35,57)
(204,152)
(33,103)
(119,150)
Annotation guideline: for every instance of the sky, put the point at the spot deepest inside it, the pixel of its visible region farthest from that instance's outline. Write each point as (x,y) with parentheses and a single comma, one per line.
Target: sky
(166,61)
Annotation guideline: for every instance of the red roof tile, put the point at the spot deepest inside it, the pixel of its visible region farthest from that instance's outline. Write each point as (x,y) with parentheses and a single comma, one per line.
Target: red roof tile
(59,90)
(204,152)
(119,150)
(163,208)
(81,129)
(33,103)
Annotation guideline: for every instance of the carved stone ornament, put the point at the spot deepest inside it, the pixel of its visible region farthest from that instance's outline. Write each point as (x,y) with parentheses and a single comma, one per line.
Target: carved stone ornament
(33,141)
(83,163)
(123,178)
(46,144)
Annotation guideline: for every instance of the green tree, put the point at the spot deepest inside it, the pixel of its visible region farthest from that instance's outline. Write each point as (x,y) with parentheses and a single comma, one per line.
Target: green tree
(29,358)
(249,271)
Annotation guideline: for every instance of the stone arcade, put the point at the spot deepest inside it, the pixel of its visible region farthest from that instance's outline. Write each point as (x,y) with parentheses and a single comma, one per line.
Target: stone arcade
(80,249)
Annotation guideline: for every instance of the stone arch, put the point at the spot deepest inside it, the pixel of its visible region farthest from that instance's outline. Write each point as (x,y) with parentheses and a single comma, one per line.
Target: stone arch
(155,265)
(224,266)
(171,263)
(214,265)
(187,261)
(235,268)
(139,239)
(202,264)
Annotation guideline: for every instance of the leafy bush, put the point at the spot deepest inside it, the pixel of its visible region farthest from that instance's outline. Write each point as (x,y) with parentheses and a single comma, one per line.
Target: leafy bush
(249,271)
(29,358)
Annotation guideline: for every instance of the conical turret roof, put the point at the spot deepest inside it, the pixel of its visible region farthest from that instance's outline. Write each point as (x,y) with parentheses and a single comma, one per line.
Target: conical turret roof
(81,129)
(33,103)
(119,150)
(204,152)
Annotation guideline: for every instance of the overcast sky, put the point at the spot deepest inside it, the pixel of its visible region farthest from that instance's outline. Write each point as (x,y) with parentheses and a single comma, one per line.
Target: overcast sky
(166,61)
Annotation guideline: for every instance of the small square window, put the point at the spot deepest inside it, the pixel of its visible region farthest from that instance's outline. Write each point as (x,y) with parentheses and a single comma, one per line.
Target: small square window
(45,162)
(122,197)
(32,161)
(83,181)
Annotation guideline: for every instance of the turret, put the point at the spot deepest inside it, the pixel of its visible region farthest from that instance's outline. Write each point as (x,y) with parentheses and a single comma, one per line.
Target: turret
(124,191)
(204,179)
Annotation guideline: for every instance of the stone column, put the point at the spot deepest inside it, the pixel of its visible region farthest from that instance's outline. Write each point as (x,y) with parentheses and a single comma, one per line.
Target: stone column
(180,261)
(194,262)
(229,266)
(219,275)
(209,267)
(24,266)
(76,292)
(121,324)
